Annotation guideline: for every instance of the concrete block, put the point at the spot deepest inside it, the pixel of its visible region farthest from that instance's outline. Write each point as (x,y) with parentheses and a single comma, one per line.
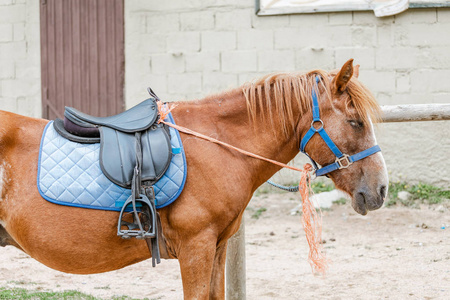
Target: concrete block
(214,82)
(6,32)
(162,23)
(28,68)
(378,81)
(197,20)
(218,40)
(341,18)
(288,38)
(234,19)
(19,32)
(28,106)
(183,42)
(164,6)
(202,61)
(136,90)
(441,98)
(167,63)
(333,36)
(255,39)
(324,35)
(13,13)
(384,99)
(136,23)
(230,4)
(364,36)
(276,61)
(368,18)
(7,69)
(365,57)
(415,98)
(423,35)
(249,77)
(8,104)
(414,16)
(434,57)
(402,83)
(270,22)
(185,83)
(147,44)
(443,15)
(397,57)
(434,81)
(239,61)
(13,50)
(298,20)
(6,2)
(385,35)
(310,59)
(20,87)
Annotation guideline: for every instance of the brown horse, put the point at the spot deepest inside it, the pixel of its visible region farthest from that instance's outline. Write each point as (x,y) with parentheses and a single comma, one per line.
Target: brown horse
(268,117)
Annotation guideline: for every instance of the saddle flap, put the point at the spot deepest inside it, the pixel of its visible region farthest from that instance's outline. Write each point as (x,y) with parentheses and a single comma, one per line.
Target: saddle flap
(137,118)
(118,154)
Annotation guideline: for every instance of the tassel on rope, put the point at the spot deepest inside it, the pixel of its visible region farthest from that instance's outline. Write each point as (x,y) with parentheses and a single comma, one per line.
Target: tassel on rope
(312,224)
(164,110)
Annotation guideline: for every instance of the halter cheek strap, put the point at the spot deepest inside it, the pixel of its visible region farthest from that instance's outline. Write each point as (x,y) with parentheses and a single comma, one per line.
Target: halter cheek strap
(342,160)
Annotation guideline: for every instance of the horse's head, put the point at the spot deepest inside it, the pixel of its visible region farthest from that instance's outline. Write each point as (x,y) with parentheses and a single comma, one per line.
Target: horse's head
(347,110)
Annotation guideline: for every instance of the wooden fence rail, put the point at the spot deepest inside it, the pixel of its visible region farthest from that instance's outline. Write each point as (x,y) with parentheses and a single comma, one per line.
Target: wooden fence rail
(235,269)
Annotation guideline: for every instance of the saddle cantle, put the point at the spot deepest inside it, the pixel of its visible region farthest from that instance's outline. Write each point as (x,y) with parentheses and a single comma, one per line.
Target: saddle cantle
(135,152)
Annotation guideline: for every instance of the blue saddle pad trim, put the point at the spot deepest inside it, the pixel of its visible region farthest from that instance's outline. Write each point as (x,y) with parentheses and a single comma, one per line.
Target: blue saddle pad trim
(69,174)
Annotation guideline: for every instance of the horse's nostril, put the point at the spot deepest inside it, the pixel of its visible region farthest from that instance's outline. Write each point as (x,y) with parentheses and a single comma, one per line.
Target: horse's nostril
(382,191)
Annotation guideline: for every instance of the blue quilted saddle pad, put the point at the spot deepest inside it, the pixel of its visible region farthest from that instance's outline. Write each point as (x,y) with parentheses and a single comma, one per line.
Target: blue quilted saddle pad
(69,174)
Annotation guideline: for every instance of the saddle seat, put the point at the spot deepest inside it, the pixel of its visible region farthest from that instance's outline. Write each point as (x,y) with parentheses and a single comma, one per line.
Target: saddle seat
(135,119)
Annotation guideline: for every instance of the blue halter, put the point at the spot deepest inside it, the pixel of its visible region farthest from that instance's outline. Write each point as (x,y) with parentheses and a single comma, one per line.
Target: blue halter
(342,160)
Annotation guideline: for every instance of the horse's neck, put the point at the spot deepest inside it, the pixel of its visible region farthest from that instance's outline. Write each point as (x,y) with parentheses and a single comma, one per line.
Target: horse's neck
(225,118)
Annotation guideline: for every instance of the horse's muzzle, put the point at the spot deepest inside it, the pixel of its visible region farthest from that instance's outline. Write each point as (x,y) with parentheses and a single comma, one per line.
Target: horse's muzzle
(365,200)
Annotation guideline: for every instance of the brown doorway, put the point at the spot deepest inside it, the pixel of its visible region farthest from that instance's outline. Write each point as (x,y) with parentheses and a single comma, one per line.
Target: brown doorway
(82,56)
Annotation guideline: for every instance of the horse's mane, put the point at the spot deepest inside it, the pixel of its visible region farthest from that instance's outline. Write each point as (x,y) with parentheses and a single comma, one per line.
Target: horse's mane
(280,93)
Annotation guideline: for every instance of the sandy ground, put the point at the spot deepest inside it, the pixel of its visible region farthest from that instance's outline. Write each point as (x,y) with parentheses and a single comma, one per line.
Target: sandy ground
(393,253)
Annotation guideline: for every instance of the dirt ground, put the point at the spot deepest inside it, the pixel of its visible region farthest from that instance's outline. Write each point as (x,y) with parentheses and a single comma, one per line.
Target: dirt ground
(393,253)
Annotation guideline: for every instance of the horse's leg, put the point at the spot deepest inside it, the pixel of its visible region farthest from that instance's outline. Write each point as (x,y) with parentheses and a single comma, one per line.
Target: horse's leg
(196,258)
(217,290)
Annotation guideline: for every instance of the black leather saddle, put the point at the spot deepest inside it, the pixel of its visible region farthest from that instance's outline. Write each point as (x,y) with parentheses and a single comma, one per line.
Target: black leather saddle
(117,135)
(135,152)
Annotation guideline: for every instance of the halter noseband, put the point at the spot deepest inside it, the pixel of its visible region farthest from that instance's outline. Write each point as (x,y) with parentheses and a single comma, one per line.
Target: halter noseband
(342,160)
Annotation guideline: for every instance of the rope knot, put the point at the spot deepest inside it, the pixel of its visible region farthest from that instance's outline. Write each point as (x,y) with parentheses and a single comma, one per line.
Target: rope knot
(164,110)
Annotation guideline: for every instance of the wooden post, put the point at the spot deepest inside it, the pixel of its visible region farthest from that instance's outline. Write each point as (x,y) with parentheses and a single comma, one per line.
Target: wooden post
(235,269)
(416,112)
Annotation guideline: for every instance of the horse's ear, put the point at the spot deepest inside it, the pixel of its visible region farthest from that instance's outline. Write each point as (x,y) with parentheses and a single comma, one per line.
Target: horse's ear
(343,77)
(356,71)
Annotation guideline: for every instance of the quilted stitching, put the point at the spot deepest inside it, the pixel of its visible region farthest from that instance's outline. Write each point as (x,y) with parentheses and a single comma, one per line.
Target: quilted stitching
(70,174)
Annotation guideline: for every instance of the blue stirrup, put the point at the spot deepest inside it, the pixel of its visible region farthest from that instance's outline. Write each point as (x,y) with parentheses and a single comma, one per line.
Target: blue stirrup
(342,160)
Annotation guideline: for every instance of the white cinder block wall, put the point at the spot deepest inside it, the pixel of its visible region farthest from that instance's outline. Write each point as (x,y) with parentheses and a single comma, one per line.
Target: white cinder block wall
(188,49)
(20,62)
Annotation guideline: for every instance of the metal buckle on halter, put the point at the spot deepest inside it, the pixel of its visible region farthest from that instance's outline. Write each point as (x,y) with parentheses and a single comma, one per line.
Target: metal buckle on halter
(344,161)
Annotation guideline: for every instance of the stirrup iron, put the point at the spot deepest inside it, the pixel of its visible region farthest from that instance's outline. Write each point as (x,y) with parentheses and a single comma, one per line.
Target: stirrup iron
(143,225)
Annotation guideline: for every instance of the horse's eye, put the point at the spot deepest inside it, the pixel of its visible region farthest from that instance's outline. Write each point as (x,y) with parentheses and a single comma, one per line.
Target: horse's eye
(356,123)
